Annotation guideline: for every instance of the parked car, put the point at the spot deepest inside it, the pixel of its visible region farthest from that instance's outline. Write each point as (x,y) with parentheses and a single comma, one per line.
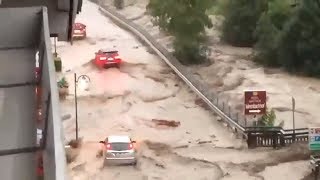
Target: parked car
(107,58)
(79,31)
(119,150)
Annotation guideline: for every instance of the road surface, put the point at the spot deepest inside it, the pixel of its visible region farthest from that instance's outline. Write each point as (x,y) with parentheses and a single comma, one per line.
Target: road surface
(125,100)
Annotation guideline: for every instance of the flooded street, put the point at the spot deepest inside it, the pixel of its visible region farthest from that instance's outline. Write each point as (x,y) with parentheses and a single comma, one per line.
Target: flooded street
(130,100)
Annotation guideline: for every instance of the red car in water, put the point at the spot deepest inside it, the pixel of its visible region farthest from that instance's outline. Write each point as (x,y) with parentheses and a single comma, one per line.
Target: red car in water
(79,31)
(107,58)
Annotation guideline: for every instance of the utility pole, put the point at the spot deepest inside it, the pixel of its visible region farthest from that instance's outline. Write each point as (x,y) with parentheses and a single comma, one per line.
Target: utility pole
(76,104)
(293,120)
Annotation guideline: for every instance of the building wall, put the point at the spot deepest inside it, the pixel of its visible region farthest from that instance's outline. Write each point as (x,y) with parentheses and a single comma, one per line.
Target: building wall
(54,154)
(27,28)
(60,19)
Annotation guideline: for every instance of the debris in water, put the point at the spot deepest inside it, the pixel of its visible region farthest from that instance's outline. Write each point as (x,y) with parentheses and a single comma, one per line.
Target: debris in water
(204,142)
(201,103)
(169,123)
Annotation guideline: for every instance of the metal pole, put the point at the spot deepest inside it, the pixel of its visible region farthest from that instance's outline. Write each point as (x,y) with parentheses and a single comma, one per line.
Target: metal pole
(293,120)
(76,103)
(55,45)
(245,121)
(316,173)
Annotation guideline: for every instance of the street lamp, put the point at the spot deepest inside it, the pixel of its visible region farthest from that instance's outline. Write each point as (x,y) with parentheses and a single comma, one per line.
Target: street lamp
(76,80)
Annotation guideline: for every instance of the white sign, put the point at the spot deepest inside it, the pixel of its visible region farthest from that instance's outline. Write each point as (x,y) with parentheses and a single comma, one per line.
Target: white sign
(255,111)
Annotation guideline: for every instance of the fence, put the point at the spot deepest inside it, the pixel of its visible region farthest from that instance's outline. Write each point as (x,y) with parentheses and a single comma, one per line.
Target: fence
(256,136)
(274,136)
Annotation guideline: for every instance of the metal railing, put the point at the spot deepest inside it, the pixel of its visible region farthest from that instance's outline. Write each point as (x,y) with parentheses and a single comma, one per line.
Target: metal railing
(234,120)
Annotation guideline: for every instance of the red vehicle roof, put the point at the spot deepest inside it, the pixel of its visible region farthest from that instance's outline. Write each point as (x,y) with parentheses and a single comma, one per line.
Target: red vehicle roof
(79,26)
(108,50)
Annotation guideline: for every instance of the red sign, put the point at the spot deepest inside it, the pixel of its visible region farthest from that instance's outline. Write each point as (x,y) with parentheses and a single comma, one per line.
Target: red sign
(255,102)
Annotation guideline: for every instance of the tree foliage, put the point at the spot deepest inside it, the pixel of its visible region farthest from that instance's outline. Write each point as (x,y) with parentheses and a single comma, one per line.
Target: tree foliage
(241,17)
(268,119)
(299,42)
(186,20)
(268,29)
(283,35)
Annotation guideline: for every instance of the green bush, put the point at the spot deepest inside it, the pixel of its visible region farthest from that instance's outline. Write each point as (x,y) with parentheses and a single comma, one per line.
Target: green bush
(57,62)
(268,29)
(268,119)
(299,47)
(58,66)
(241,17)
(63,83)
(186,21)
(219,7)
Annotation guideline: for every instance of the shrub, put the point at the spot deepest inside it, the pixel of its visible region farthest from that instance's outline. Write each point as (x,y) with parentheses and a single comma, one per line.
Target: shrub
(268,119)
(241,17)
(186,21)
(299,41)
(57,62)
(268,29)
(63,83)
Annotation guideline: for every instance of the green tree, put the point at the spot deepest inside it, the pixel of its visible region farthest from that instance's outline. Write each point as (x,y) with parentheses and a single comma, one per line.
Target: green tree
(186,20)
(268,29)
(299,42)
(219,7)
(268,119)
(241,17)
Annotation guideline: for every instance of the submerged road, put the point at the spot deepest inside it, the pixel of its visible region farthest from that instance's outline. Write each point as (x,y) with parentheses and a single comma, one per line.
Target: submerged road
(126,100)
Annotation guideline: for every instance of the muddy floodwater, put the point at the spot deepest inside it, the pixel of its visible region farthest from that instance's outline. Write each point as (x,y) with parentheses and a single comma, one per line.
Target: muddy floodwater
(137,100)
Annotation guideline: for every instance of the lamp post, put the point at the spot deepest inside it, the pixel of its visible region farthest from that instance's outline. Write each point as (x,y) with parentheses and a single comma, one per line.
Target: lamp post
(76,80)
(55,45)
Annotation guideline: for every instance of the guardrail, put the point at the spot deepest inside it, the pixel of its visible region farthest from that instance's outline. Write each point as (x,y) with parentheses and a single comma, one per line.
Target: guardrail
(210,99)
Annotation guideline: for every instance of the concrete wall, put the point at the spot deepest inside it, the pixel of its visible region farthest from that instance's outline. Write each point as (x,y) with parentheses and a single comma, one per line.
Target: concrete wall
(60,18)
(54,154)
(27,28)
